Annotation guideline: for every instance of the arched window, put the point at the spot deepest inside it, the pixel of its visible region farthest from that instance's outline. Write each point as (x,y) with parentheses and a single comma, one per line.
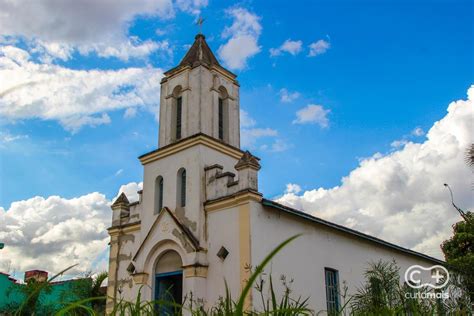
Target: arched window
(223,114)
(177,113)
(181,189)
(158,194)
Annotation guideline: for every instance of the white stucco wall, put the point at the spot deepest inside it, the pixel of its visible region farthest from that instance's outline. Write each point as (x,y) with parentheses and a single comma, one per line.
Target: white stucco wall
(305,259)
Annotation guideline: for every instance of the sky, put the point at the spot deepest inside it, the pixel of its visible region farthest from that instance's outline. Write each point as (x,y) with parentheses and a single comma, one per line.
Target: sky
(359,111)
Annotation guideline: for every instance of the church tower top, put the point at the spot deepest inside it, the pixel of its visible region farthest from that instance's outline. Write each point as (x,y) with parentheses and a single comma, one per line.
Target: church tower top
(199,96)
(199,54)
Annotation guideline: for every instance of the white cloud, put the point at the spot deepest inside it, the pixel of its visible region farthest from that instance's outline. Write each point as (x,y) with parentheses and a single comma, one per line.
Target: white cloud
(252,137)
(192,6)
(289,46)
(292,188)
(279,145)
(398,143)
(6,137)
(54,233)
(418,131)
(400,196)
(242,36)
(246,120)
(73,97)
(312,114)
(318,48)
(288,97)
(249,137)
(131,190)
(58,28)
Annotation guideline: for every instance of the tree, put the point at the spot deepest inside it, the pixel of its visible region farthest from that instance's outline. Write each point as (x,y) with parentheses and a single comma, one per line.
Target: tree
(459,253)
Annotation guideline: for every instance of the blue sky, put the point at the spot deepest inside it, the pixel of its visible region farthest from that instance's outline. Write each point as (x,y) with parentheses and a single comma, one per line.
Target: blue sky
(81,107)
(391,67)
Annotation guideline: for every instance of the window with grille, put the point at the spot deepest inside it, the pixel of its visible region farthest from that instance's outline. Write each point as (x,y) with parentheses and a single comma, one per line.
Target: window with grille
(179,102)
(221,119)
(332,290)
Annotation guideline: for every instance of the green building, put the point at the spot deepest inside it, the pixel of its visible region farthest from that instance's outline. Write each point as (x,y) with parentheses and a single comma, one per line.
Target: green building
(52,297)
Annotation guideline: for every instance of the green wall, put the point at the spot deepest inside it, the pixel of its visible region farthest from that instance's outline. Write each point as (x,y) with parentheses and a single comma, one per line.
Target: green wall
(58,295)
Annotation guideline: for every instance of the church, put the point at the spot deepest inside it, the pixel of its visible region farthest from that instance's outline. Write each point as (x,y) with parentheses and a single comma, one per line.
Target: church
(201,221)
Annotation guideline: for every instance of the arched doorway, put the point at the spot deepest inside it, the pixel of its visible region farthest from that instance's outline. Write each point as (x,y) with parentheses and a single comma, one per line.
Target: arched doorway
(168,281)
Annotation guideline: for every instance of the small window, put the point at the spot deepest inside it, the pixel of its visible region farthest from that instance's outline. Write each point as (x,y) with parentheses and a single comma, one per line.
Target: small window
(332,290)
(181,198)
(158,194)
(179,102)
(221,119)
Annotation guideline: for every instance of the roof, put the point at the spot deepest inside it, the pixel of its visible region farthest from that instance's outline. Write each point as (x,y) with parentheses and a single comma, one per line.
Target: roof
(346,230)
(121,200)
(199,54)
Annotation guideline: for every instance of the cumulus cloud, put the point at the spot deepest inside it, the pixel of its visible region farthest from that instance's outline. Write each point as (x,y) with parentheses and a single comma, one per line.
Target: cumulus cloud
(313,114)
(318,48)
(287,96)
(58,28)
(288,46)
(242,37)
(400,196)
(73,97)
(54,233)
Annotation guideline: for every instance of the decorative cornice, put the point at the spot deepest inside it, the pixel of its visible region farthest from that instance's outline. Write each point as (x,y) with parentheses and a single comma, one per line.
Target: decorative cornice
(196,139)
(126,228)
(232,200)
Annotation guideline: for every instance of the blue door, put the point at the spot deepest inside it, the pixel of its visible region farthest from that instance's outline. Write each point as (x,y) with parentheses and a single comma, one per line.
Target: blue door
(168,288)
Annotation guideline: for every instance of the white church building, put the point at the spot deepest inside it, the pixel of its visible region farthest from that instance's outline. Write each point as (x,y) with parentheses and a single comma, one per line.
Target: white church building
(201,221)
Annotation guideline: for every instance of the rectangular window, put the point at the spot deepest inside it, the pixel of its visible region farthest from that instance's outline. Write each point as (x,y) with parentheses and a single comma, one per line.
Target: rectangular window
(332,290)
(221,119)
(179,102)
(160,198)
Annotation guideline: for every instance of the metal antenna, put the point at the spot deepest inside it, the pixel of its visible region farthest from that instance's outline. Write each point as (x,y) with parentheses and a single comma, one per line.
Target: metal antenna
(199,22)
(461,212)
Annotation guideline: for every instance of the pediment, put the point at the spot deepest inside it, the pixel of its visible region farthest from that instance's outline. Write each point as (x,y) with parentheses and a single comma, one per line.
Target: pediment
(168,226)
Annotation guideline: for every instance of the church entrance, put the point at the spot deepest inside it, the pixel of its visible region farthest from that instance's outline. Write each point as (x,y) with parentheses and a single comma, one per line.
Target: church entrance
(168,283)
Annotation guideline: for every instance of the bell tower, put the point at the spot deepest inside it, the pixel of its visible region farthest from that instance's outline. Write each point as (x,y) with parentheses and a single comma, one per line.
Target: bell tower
(199,96)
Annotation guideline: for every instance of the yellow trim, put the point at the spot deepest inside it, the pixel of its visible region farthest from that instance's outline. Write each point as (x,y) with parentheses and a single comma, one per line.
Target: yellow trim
(140,278)
(193,141)
(225,74)
(193,271)
(232,200)
(115,231)
(176,72)
(244,249)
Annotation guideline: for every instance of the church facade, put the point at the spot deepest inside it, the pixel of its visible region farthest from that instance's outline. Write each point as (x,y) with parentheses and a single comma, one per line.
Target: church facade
(201,221)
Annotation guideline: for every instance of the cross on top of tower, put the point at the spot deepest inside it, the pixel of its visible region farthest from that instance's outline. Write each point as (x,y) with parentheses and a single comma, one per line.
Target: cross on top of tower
(200,22)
